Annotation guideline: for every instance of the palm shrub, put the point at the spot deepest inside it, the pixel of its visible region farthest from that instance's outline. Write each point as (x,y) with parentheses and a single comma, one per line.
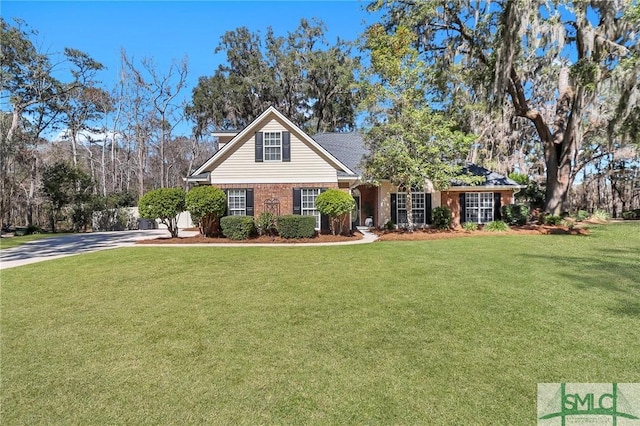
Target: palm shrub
(164,204)
(442,217)
(600,216)
(337,205)
(266,223)
(206,204)
(470,226)
(296,226)
(496,226)
(237,227)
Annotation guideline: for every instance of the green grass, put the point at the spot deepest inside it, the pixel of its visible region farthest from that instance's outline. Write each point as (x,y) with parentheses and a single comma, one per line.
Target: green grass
(9,242)
(455,331)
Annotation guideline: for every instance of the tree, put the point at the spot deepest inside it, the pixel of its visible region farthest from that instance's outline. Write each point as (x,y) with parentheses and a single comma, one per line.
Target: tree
(37,100)
(207,205)
(337,205)
(408,143)
(303,76)
(64,185)
(164,204)
(549,63)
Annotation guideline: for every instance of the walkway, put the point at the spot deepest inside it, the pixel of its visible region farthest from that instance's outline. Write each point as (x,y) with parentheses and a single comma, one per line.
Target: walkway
(72,244)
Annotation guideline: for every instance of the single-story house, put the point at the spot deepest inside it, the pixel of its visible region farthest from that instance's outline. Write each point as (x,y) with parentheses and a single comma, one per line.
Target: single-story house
(273,165)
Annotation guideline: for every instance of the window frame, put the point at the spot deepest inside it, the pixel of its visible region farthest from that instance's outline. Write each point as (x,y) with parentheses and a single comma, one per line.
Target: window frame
(479,207)
(234,194)
(310,211)
(268,139)
(401,199)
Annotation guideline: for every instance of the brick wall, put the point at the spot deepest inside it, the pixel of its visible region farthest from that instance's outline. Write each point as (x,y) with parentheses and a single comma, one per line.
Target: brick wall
(452,200)
(283,192)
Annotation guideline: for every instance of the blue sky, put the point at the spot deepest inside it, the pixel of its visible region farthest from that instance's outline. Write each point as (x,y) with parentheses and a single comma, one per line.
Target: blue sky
(166,30)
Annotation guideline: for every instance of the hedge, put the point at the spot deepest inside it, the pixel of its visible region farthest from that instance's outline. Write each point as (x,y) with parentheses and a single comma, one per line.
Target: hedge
(296,226)
(237,227)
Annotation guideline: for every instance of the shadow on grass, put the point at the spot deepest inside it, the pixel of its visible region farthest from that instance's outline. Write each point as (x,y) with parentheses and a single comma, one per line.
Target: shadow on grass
(614,272)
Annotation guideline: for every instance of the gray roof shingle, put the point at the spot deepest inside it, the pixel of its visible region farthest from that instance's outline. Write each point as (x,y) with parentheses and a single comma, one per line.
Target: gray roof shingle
(347,147)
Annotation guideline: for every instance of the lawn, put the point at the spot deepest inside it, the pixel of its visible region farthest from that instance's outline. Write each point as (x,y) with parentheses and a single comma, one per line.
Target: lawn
(456,331)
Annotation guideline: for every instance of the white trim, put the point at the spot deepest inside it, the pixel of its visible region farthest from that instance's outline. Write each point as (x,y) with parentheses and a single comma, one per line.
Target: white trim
(251,127)
(264,147)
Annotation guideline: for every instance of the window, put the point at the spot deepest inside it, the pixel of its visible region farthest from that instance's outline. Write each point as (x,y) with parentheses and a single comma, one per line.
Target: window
(272,146)
(418,203)
(308,203)
(237,202)
(479,207)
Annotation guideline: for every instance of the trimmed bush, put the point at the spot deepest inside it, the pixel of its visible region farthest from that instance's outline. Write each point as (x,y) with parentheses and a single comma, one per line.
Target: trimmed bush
(237,227)
(266,223)
(390,225)
(164,204)
(496,226)
(470,226)
(336,204)
(515,214)
(296,226)
(442,217)
(206,204)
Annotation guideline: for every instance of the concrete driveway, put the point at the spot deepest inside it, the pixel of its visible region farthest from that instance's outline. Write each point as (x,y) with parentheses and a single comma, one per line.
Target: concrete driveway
(68,245)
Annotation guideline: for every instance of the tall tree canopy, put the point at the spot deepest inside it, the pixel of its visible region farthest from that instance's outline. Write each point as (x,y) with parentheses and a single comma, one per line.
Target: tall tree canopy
(306,78)
(408,142)
(562,66)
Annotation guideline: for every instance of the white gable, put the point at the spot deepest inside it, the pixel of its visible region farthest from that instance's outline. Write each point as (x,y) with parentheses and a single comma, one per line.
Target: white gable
(235,162)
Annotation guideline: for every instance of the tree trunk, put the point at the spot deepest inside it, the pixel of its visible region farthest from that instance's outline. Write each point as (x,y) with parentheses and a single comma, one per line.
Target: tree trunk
(409,210)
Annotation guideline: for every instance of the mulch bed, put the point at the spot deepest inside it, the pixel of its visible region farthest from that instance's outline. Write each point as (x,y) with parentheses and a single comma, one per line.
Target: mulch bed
(384,235)
(198,239)
(436,234)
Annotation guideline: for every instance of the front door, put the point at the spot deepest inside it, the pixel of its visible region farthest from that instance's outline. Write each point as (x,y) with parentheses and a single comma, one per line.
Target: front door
(355,219)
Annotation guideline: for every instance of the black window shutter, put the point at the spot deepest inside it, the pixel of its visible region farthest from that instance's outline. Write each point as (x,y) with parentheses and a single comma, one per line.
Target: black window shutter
(258,147)
(497,203)
(286,146)
(297,201)
(394,208)
(324,219)
(226,204)
(463,209)
(249,201)
(427,209)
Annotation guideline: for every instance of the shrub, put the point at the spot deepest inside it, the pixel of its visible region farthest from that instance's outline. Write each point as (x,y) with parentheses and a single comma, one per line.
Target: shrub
(470,226)
(552,220)
(206,204)
(600,216)
(237,227)
(568,223)
(582,215)
(296,226)
(336,204)
(496,226)
(442,217)
(164,204)
(515,214)
(390,225)
(631,214)
(119,219)
(266,223)
(32,229)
